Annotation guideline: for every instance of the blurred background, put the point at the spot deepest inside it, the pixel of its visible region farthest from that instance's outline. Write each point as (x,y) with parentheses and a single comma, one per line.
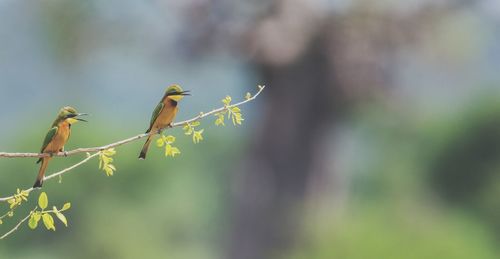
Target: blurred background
(378,135)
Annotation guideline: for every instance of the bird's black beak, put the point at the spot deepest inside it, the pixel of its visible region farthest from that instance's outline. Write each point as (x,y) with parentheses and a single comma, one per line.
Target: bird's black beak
(183,93)
(81,114)
(76,115)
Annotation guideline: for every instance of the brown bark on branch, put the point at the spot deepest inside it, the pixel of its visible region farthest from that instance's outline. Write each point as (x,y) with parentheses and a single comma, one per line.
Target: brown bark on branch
(125,141)
(95,151)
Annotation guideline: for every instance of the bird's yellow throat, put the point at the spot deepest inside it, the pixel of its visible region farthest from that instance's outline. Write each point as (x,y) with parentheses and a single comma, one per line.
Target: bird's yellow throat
(176,97)
(71,120)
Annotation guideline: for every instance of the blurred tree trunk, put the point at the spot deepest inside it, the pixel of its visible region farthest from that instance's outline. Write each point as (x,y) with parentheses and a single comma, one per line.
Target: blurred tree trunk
(317,66)
(272,185)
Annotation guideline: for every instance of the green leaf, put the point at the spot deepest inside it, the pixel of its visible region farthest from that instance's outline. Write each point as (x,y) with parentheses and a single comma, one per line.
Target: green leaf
(197,136)
(33,223)
(171,151)
(234,114)
(107,160)
(60,216)
(237,119)
(100,162)
(248,96)
(175,151)
(227,100)
(37,216)
(112,167)
(160,142)
(43,201)
(170,139)
(109,170)
(48,221)
(66,206)
(109,152)
(220,119)
(188,130)
(12,202)
(23,194)
(168,150)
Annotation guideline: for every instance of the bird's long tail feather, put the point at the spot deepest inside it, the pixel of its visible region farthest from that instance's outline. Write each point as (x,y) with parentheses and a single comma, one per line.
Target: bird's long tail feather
(145,148)
(41,173)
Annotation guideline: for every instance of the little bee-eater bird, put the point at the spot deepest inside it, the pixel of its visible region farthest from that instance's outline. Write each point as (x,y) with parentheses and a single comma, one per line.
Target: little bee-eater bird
(164,114)
(56,138)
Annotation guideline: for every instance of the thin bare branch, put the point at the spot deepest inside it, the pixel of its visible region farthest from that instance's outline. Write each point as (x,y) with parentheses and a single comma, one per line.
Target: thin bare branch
(18,225)
(48,177)
(97,150)
(128,140)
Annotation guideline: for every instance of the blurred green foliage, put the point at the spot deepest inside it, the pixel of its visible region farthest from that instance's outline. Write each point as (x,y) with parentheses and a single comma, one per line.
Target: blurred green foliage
(399,203)
(419,174)
(161,205)
(387,230)
(422,188)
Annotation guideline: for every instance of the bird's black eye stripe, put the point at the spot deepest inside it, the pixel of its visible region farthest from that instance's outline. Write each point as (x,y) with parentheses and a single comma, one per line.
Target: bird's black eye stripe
(179,93)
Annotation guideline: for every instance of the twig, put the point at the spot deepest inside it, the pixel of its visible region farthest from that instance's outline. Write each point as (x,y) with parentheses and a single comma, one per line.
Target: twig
(98,150)
(48,177)
(18,225)
(128,140)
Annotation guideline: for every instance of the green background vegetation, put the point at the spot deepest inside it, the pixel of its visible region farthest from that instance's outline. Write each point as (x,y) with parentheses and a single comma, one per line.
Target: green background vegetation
(378,135)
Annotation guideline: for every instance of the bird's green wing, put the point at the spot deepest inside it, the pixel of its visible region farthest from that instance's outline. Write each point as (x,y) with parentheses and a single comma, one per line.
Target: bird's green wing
(155,115)
(48,138)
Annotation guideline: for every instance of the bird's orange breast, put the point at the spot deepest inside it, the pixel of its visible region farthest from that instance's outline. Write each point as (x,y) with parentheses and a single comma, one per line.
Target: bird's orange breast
(60,139)
(165,117)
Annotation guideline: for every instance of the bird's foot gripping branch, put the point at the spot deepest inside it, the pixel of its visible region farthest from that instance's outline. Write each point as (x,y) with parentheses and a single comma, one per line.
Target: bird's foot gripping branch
(162,119)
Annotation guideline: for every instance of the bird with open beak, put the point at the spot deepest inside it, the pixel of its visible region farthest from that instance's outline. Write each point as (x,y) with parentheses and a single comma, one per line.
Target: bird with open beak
(56,138)
(164,114)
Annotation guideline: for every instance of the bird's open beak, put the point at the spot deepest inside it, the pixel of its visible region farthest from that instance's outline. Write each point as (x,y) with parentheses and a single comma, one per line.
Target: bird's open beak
(81,114)
(183,93)
(75,116)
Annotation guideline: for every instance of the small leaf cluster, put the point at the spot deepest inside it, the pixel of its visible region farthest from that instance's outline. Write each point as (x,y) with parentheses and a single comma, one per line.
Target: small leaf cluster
(190,130)
(167,141)
(46,215)
(20,197)
(106,160)
(233,113)
(9,214)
